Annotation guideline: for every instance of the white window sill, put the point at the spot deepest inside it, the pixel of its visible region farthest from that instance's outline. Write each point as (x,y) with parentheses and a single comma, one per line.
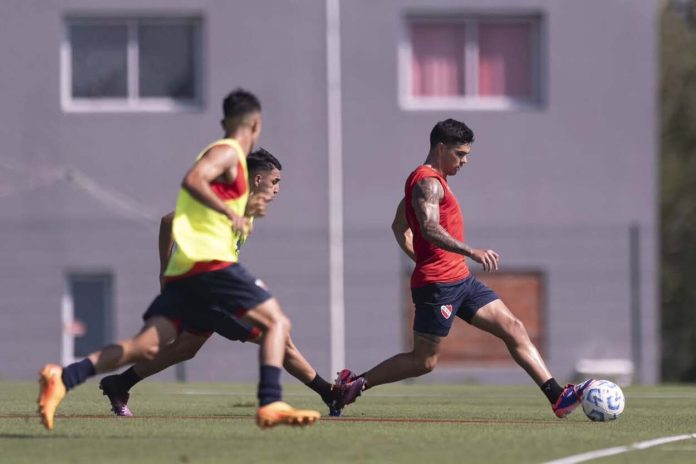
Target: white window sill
(153,105)
(469,104)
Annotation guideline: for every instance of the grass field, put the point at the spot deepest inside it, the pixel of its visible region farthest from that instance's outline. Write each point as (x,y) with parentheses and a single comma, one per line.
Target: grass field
(211,423)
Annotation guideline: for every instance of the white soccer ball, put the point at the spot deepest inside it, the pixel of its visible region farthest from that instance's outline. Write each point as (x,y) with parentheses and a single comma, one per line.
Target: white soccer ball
(603,401)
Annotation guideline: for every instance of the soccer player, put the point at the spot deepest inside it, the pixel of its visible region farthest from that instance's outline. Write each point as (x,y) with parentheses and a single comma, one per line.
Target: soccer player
(204,278)
(429,228)
(264,180)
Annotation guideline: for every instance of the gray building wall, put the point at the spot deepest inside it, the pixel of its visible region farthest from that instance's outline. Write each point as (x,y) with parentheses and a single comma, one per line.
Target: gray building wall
(59,227)
(552,188)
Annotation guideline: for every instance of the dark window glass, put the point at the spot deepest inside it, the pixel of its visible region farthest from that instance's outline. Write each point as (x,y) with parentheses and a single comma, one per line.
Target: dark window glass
(166,59)
(99,61)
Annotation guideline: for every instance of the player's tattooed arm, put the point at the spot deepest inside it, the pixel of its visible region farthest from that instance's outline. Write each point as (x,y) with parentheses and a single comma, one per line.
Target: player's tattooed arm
(427,195)
(402,231)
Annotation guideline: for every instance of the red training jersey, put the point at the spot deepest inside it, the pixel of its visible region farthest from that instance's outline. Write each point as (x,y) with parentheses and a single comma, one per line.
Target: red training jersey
(433,264)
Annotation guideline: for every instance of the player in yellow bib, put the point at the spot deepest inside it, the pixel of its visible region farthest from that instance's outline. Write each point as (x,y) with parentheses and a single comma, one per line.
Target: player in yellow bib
(264,179)
(204,282)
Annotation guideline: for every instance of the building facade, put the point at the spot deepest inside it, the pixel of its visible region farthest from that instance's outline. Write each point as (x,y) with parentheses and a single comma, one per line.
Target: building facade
(105,105)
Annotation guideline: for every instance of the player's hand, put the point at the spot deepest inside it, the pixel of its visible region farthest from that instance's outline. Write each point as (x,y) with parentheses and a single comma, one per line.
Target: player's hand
(258,204)
(240,224)
(487,258)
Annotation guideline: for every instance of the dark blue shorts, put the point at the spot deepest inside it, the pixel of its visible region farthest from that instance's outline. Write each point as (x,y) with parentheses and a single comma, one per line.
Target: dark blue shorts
(211,302)
(438,303)
(233,328)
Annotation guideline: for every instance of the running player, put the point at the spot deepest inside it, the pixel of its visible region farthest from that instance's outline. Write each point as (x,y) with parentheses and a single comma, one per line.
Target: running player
(429,228)
(264,179)
(204,278)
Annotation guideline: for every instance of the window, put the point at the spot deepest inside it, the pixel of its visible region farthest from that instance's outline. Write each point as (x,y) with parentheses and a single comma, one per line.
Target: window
(472,62)
(131,64)
(87,314)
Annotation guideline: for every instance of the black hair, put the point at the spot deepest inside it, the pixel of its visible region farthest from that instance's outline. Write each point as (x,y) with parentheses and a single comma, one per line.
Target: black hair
(451,132)
(262,160)
(237,105)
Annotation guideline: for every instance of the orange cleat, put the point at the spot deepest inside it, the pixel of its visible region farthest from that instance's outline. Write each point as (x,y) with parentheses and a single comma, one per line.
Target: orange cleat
(280,412)
(51,392)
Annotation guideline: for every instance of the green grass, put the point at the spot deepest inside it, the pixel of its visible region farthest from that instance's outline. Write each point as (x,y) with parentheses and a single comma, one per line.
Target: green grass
(210,423)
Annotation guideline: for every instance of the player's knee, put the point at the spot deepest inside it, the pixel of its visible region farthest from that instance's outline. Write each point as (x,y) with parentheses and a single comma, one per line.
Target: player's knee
(149,352)
(429,364)
(135,350)
(287,325)
(280,321)
(515,331)
(425,364)
(143,351)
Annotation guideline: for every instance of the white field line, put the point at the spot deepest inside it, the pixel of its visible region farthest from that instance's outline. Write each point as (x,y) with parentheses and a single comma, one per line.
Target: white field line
(641,445)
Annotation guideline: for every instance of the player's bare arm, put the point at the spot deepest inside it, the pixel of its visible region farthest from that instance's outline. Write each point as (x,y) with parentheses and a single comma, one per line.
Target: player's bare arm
(402,232)
(166,243)
(218,162)
(427,195)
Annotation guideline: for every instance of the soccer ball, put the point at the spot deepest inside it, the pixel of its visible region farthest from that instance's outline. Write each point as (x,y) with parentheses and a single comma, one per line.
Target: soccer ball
(603,401)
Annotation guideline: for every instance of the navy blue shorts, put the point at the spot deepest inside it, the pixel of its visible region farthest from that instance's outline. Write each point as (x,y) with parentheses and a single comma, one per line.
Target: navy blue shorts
(211,302)
(233,328)
(437,303)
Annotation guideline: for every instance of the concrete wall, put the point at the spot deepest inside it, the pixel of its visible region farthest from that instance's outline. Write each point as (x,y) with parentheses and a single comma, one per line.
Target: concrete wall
(553,188)
(58,226)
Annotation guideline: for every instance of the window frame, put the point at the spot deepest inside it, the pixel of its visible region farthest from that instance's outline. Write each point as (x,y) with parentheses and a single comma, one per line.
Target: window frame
(132,102)
(71,276)
(471,101)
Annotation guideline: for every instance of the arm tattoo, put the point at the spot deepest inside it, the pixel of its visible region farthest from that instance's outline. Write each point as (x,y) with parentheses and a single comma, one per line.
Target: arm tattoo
(426,203)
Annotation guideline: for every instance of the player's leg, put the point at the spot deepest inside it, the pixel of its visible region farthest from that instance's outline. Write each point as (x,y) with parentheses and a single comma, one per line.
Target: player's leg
(275,330)
(297,366)
(235,329)
(55,381)
(237,293)
(432,321)
(185,347)
(421,360)
(157,332)
(116,387)
(495,318)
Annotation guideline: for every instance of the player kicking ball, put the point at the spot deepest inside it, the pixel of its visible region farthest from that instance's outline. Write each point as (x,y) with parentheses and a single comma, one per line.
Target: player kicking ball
(429,228)
(264,180)
(204,277)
